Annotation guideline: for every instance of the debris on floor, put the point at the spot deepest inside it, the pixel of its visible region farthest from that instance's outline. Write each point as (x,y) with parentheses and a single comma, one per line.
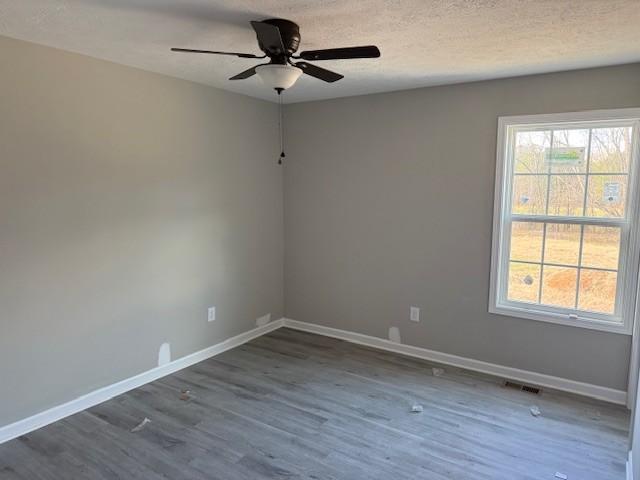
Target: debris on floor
(416,408)
(185,395)
(561,476)
(437,372)
(141,425)
(535,411)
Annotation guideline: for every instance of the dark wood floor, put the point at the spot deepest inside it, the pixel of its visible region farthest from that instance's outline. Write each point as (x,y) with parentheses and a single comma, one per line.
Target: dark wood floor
(294,405)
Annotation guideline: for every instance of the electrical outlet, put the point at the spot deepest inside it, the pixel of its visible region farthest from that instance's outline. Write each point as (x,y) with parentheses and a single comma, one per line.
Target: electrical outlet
(211,314)
(414,314)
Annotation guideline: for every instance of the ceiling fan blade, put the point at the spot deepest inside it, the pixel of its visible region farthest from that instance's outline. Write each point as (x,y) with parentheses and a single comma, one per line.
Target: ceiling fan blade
(250,72)
(319,73)
(234,54)
(369,51)
(269,37)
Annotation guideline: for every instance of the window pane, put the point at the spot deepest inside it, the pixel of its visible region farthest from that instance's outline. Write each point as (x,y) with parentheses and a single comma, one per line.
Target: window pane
(597,291)
(601,247)
(566,196)
(529,194)
(569,182)
(568,154)
(562,244)
(526,241)
(524,281)
(529,151)
(559,286)
(606,196)
(610,150)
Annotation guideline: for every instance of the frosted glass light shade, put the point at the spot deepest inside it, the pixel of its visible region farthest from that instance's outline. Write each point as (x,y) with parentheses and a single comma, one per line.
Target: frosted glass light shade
(278,76)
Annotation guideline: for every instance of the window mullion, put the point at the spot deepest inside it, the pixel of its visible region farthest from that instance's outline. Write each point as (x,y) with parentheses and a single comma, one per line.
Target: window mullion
(584,212)
(586,178)
(564,265)
(544,241)
(546,206)
(546,211)
(568,174)
(579,265)
(593,221)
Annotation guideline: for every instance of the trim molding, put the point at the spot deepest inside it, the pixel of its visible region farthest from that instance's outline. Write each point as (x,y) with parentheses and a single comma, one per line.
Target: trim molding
(539,379)
(630,466)
(39,420)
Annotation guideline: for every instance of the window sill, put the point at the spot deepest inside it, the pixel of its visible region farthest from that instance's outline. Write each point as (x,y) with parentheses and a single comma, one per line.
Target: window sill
(560,319)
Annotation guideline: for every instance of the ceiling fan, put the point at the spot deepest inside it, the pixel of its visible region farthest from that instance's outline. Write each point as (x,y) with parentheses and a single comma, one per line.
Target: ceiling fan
(279,40)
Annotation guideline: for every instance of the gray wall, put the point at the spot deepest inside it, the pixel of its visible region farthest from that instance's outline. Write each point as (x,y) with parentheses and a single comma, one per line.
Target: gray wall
(389,203)
(129,203)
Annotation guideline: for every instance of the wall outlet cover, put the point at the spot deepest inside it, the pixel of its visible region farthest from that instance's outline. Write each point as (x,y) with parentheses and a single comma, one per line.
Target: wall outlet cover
(211,314)
(414,314)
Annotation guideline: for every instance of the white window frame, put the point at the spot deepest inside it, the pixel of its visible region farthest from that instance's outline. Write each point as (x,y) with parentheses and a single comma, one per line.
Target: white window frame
(622,321)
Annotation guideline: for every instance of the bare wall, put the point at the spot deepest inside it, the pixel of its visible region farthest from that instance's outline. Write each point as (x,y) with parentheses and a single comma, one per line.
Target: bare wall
(129,203)
(389,203)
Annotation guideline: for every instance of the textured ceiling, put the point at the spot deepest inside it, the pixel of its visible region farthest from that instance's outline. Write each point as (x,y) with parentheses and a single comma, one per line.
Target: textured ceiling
(423,42)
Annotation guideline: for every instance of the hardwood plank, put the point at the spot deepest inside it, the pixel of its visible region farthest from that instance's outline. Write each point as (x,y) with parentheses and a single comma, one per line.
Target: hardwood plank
(296,405)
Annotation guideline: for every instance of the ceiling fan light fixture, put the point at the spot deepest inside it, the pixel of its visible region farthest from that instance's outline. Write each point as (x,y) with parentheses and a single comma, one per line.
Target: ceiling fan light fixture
(278,77)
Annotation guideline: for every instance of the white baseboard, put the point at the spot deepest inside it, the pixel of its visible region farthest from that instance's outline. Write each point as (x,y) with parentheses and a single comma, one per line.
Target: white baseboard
(538,379)
(24,426)
(630,466)
(21,427)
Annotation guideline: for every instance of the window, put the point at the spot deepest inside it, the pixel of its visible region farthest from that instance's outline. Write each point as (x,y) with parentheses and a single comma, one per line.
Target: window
(565,240)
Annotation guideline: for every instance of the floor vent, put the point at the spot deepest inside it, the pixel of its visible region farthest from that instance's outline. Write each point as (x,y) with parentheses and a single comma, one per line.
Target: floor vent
(522,387)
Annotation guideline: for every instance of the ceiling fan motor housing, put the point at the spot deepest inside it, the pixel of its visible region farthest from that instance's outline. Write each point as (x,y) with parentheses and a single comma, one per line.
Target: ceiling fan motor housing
(290,33)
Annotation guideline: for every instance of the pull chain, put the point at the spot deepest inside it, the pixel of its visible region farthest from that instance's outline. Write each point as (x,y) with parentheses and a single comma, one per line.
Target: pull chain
(280,126)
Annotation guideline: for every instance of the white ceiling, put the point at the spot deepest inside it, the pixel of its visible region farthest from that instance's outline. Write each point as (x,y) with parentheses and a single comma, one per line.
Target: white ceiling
(423,42)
